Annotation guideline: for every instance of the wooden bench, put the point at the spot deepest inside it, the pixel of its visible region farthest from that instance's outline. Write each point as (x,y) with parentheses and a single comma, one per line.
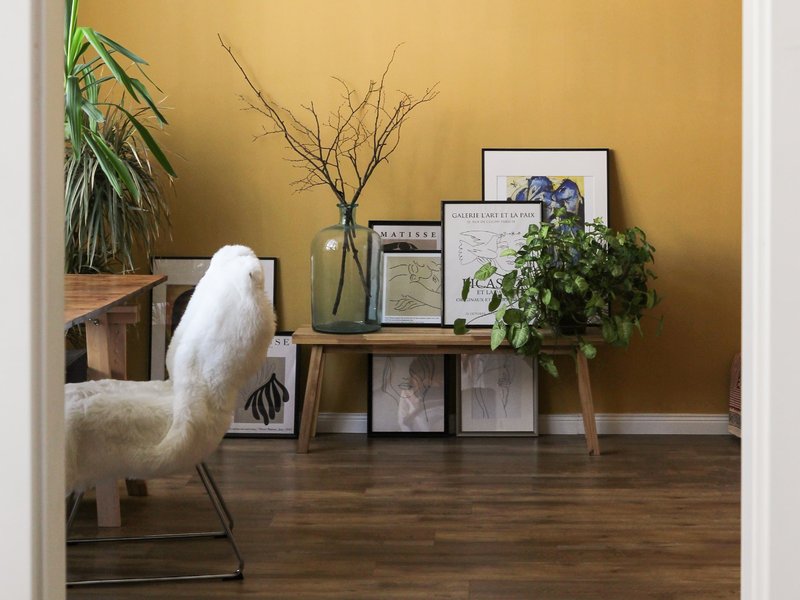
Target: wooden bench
(425,340)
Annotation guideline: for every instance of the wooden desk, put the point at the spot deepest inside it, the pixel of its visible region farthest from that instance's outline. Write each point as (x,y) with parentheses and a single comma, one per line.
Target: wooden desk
(100,302)
(425,340)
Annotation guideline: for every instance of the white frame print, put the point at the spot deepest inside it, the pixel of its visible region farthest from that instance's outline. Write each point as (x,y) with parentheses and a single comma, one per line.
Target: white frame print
(474,233)
(267,404)
(412,288)
(183,272)
(497,395)
(407,395)
(397,236)
(574,178)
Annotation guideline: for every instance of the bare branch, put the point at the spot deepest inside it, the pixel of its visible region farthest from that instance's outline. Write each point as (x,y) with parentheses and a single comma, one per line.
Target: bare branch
(342,150)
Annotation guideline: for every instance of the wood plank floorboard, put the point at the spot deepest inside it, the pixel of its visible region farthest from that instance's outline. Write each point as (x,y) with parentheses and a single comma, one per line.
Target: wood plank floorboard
(653,518)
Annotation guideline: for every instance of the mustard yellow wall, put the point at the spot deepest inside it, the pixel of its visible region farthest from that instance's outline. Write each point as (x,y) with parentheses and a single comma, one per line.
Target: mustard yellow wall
(656,81)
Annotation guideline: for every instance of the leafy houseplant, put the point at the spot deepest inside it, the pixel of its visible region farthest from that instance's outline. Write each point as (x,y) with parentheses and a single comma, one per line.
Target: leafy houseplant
(112,198)
(565,278)
(341,151)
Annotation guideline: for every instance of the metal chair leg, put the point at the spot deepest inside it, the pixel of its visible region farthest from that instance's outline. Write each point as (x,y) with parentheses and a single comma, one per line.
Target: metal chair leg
(204,468)
(225,519)
(73,511)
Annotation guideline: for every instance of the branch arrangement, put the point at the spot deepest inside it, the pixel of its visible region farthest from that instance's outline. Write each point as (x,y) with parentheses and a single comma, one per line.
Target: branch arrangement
(343,149)
(340,150)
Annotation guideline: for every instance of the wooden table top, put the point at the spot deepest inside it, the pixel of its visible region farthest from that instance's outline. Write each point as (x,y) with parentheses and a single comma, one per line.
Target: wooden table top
(89,296)
(424,338)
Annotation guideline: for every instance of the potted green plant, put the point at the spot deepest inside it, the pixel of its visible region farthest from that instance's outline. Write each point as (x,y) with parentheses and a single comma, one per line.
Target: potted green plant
(113,202)
(568,276)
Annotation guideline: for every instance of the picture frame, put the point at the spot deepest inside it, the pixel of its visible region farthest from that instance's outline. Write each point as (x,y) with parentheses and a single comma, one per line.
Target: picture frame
(412,288)
(407,395)
(571,178)
(267,404)
(170,299)
(497,395)
(473,233)
(408,235)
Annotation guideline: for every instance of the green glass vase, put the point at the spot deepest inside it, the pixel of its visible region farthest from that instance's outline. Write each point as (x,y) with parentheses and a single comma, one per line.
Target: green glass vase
(346,277)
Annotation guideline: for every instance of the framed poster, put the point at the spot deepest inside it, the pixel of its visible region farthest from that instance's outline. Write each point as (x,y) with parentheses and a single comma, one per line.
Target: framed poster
(474,233)
(497,395)
(267,404)
(573,179)
(408,235)
(412,288)
(407,395)
(170,300)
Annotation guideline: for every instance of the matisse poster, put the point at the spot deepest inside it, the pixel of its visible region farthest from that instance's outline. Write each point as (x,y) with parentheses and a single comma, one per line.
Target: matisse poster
(476,233)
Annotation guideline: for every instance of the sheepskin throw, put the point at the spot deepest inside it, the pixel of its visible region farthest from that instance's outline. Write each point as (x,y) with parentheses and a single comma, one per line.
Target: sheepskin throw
(133,429)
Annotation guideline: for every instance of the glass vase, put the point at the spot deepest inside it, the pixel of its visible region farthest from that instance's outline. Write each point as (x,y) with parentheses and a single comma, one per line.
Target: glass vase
(346,277)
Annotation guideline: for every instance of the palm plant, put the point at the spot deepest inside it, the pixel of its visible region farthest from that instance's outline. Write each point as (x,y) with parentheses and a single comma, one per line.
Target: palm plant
(112,199)
(102,227)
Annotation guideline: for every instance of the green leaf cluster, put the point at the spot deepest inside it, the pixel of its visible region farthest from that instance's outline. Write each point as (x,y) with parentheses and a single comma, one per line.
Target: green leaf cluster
(108,173)
(569,277)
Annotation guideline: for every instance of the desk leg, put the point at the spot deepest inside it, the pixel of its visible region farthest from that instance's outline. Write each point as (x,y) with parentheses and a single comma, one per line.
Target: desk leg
(311,400)
(107,359)
(587,405)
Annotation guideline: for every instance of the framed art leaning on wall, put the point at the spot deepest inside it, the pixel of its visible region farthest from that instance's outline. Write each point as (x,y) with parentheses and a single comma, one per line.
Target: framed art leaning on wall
(476,233)
(171,298)
(267,404)
(407,395)
(573,179)
(497,395)
(408,235)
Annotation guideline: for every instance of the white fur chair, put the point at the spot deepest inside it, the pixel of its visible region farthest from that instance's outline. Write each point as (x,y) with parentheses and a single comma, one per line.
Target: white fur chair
(144,430)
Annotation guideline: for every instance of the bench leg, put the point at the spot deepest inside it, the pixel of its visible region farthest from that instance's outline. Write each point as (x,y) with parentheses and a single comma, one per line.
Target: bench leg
(311,399)
(587,405)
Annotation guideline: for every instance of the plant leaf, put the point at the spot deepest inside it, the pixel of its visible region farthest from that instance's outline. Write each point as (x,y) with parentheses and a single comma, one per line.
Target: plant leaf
(518,334)
(150,142)
(588,350)
(460,327)
(465,287)
(113,65)
(121,49)
(486,270)
(548,365)
(494,302)
(498,335)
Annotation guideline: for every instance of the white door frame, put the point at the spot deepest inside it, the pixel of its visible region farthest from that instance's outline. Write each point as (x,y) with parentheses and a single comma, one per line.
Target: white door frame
(770,323)
(32,350)
(31,355)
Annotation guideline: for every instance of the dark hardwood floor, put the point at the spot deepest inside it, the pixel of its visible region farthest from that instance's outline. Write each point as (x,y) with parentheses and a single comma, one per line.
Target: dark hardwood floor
(654,517)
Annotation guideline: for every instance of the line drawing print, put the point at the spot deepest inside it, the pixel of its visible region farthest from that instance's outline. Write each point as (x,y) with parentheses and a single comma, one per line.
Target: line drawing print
(413,285)
(479,247)
(488,381)
(408,394)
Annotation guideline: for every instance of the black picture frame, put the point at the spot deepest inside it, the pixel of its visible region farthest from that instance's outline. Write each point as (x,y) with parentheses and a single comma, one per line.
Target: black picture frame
(248,420)
(498,395)
(408,235)
(394,408)
(577,177)
(183,273)
(474,232)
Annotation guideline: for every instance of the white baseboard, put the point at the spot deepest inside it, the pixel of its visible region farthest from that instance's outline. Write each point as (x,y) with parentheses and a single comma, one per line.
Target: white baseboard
(638,424)
(572,424)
